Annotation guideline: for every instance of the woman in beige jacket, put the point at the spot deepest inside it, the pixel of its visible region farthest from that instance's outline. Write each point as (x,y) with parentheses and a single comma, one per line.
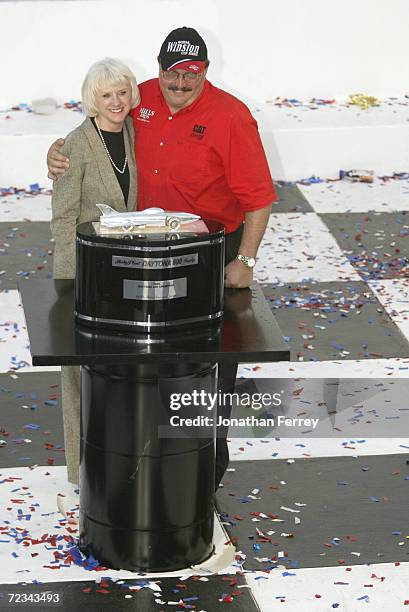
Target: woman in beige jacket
(102,171)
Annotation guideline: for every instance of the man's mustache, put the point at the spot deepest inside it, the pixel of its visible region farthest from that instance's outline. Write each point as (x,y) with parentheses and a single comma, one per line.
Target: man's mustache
(176,88)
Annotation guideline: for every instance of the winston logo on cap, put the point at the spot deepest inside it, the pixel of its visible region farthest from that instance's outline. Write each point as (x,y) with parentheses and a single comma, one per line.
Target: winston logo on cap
(183,47)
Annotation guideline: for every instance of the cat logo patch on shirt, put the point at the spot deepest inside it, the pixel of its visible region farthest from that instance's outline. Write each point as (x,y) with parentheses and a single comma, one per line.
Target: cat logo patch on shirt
(198,131)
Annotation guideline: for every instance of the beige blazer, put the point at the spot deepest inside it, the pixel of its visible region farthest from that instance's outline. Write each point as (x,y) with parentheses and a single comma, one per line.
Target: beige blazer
(90,180)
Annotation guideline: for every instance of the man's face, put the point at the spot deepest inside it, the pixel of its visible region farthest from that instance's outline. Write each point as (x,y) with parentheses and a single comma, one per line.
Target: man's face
(180,91)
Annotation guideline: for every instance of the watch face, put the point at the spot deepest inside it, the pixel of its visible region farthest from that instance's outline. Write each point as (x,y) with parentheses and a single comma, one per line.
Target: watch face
(250,262)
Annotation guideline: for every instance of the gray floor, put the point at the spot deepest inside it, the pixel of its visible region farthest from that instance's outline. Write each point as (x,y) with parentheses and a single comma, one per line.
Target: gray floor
(377,244)
(31,410)
(339,493)
(355,321)
(290,199)
(25,252)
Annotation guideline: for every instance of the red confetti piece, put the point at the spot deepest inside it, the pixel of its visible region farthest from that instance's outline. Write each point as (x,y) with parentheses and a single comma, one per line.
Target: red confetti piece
(232,541)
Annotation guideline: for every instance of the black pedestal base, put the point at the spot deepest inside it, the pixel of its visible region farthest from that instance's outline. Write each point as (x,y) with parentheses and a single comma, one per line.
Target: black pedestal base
(146,503)
(143,551)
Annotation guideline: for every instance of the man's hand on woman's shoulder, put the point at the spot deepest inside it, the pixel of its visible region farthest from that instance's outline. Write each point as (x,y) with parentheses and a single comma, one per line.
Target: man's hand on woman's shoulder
(56,162)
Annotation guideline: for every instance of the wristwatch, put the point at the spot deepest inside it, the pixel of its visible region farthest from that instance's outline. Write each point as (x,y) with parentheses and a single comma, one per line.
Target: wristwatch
(250,262)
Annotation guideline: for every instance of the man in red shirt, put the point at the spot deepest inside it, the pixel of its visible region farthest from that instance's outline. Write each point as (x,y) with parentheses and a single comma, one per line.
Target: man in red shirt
(198,150)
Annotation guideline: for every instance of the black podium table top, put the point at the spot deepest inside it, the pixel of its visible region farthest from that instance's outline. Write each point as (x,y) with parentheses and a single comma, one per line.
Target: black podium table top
(248,332)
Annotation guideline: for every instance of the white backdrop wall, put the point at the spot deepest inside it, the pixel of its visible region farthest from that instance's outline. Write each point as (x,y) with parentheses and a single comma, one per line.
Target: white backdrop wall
(259,49)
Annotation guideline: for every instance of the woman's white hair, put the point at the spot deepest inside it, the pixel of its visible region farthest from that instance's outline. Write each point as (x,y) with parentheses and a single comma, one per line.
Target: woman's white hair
(103,75)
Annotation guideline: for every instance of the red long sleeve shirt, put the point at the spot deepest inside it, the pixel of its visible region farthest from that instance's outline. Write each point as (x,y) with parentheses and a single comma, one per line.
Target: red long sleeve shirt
(207,158)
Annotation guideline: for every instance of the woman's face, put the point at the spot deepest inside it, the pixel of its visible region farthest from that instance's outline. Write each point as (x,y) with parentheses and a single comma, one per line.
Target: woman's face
(113,105)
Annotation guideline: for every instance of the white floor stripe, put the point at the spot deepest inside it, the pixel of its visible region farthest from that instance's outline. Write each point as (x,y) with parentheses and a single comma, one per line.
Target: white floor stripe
(25,207)
(249,449)
(382,586)
(29,504)
(14,352)
(342,196)
(363,368)
(22,123)
(299,247)
(393,294)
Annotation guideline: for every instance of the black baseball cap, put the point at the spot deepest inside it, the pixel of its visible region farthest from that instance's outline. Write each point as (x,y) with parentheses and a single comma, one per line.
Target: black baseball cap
(183,48)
